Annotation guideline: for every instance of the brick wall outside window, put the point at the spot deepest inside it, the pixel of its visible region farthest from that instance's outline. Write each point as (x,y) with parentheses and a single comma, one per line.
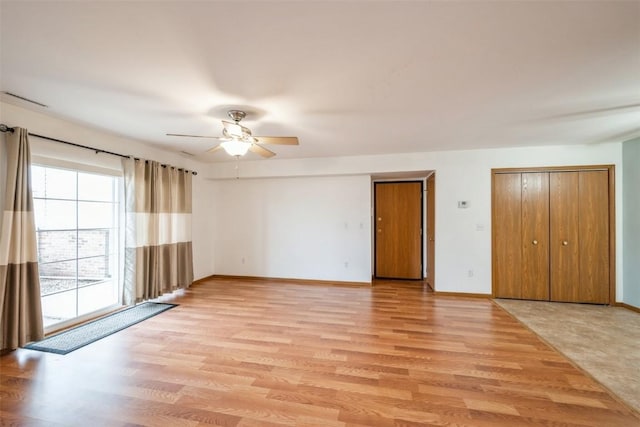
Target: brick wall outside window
(54,247)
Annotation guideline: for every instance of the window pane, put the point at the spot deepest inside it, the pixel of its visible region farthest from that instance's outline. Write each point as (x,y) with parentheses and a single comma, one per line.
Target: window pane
(59,307)
(96,215)
(56,245)
(59,184)
(97,286)
(57,276)
(94,269)
(97,295)
(55,214)
(37,181)
(96,242)
(95,187)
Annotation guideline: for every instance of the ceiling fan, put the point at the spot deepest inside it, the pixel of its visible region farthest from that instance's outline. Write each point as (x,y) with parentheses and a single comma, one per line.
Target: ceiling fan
(236,139)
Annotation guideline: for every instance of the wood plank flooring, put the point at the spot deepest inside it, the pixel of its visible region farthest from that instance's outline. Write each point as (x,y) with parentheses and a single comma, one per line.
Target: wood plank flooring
(266,353)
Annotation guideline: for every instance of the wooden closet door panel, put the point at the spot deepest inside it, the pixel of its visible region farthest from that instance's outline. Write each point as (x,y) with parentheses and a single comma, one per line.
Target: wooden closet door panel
(594,237)
(535,236)
(507,234)
(564,242)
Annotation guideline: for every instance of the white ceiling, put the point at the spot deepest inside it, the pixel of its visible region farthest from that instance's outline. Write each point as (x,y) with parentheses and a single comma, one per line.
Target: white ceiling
(347,78)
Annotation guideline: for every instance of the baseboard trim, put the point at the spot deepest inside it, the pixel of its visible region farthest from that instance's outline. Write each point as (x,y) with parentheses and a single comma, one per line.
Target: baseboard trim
(461,294)
(628,306)
(203,279)
(287,280)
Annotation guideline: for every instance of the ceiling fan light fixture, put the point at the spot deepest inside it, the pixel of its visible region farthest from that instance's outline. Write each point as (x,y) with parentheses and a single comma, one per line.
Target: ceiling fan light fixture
(236,147)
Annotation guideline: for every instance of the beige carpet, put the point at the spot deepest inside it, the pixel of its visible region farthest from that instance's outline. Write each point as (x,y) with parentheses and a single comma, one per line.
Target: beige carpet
(604,341)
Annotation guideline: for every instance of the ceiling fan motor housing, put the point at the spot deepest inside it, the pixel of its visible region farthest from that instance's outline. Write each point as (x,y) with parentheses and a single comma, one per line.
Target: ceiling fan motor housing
(237,115)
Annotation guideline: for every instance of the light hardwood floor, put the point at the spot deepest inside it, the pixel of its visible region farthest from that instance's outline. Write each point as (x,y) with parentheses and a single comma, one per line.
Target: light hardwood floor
(266,353)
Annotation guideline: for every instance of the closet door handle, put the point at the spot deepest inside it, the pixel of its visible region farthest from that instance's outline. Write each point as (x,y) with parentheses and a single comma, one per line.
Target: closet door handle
(535,242)
(565,243)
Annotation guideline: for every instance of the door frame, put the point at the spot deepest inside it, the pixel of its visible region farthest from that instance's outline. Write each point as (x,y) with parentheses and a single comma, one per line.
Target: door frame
(422,182)
(612,216)
(430,216)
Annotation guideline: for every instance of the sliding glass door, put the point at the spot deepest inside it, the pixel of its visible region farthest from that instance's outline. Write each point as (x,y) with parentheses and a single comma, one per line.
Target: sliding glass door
(77,223)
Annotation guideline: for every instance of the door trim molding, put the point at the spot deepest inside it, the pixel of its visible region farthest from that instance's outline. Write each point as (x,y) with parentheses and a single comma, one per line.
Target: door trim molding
(430,216)
(612,215)
(555,169)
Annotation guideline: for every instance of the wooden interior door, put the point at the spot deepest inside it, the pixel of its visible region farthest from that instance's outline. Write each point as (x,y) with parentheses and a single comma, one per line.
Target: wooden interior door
(535,236)
(431,231)
(594,236)
(398,233)
(507,235)
(564,208)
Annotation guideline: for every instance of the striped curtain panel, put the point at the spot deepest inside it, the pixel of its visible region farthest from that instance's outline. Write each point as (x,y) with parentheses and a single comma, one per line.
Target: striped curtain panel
(20,306)
(158,248)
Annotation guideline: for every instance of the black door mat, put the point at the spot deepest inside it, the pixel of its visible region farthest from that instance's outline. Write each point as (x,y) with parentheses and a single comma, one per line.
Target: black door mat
(75,338)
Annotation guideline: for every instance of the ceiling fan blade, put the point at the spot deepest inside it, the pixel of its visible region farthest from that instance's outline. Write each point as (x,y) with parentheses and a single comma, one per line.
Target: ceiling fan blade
(194,136)
(255,148)
(216,148)
(280,140)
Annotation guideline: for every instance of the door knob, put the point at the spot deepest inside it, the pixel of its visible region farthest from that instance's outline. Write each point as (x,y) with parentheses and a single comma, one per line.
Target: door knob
(535,242)
(379,230)
(565,243)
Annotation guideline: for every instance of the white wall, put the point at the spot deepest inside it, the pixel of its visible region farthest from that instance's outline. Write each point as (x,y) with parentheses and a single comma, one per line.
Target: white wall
(46,125)
(202,227)
(631,218)
(299,227)
(463,236)
(289,220)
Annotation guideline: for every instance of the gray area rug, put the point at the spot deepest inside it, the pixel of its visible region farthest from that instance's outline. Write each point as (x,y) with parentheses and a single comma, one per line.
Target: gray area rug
(75,338)
(602,340)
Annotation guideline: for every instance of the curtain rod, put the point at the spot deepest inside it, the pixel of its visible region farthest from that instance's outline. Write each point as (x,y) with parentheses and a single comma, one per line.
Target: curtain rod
(5,128)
